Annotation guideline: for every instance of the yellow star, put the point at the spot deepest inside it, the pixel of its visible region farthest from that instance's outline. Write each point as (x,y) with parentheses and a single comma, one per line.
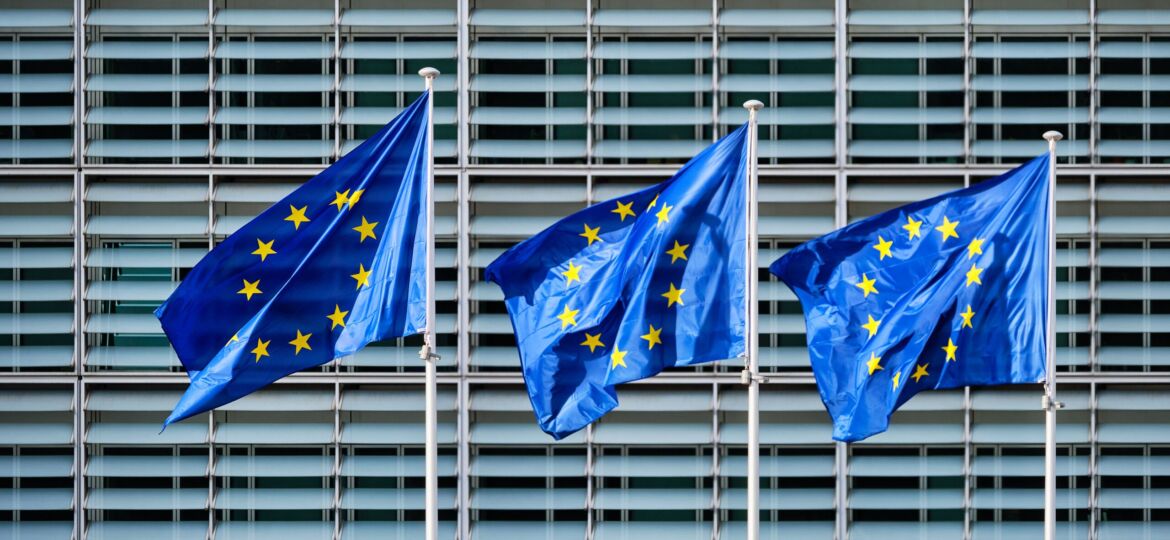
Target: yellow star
(950,349)
(973,275)
(883,246)
(301,342)
(897,379)
(948,229)
(653,202)
(572,274)
(872,326)
(366,229)
(663,215)
(920,372)
(264,249)
(338,317)
(913,227)
(568,316)
(653,336)
(874,363)
(617,358)
(975,248)
(593,341)
(674,295)
(866,285)
(297,216)
(357,194)
(624,210)
(967,318)
(362,277)
(679,251)
(235,339)
(250,288)
(261,348)
(340,200)
(591,234)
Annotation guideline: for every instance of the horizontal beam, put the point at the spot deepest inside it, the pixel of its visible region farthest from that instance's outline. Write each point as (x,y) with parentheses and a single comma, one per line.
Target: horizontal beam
(728,378)
(827,171)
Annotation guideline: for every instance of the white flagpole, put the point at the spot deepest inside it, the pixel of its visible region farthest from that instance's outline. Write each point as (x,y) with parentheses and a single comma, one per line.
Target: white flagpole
(427,353)
(1049,402)
(751,374)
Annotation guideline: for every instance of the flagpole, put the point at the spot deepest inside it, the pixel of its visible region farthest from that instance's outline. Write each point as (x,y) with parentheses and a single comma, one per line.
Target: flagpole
(1049,402)
(427,353)
(751,375)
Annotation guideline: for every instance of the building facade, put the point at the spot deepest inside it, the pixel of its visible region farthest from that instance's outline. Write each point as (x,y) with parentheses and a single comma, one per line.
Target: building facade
(134,135)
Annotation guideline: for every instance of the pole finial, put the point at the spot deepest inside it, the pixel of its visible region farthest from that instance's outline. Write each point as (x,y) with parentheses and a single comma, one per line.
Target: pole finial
(753,105)
(1052,136)
(428,73)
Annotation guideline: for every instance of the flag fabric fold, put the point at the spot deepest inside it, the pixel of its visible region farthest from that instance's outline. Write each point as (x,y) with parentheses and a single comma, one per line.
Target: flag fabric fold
(942,293)
(629,287)
(336,264)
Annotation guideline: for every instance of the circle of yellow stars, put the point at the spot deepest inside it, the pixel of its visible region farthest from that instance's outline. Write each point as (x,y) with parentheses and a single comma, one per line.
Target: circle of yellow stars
(343,200)
(867,285)
(572,273)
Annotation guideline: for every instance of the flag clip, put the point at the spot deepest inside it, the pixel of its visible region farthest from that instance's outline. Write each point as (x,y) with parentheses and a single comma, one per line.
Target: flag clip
(427,354)
(1047,403)
(746,377)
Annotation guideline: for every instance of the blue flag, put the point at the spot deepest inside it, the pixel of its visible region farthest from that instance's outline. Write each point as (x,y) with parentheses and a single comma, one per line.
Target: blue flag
(336,264)
(629,287)
(942,293)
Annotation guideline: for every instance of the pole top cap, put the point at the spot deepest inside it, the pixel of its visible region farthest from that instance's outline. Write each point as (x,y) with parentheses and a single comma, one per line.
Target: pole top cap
(428,73)
(1053,136)
(753,105)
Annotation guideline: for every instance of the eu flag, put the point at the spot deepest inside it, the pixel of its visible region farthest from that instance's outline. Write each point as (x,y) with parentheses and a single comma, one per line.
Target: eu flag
(941,293)
(336,264)
(629,287)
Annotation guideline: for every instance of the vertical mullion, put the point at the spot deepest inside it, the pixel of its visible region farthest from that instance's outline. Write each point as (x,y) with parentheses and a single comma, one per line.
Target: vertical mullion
(968,98)
(841,467)
(79,13)
(590,483)
(463,458)
(1094,278)
(463,351)
(78,458)
(589,106)
(463,105)
(463,270)
(968,449)
(211,463)
(336,90)
(997,99)
(714,76)
(336,472)
(211,477)
(1094,74)
(1094,463)
(840,74)
(550,99)
(210,82)
(716,502)
(251,93)
(1146,101)
(78,268)
(176,70)
(968,460)
(922,98)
